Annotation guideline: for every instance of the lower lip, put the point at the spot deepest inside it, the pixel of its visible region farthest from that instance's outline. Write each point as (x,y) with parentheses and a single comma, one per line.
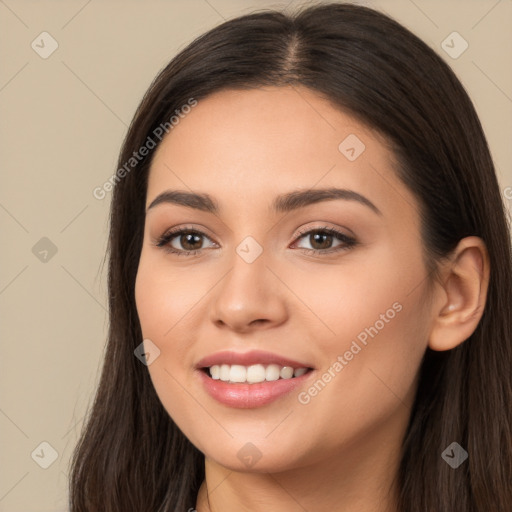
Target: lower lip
(248,396)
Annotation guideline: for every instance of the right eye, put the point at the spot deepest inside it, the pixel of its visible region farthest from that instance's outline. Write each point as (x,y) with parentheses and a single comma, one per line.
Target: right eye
(185,237)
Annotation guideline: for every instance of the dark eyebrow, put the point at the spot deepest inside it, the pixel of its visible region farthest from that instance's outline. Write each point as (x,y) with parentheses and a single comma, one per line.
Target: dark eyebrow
(301,198)
(283,203)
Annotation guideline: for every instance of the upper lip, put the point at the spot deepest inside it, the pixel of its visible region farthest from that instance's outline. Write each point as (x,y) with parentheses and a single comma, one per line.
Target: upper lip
(249,358)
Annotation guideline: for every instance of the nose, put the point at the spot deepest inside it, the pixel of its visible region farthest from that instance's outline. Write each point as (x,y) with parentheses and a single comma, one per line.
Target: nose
(250,296)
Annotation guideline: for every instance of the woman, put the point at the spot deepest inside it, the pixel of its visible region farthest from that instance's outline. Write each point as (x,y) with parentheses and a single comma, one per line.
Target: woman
(366,370)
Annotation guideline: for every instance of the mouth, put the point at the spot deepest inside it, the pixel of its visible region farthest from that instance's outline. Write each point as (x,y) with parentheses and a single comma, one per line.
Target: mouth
(251,379)
(253,374)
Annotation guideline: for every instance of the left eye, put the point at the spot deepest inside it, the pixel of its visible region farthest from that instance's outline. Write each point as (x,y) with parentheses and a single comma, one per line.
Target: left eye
(324,238)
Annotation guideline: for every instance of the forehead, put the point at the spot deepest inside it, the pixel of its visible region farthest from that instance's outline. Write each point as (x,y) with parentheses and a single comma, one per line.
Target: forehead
(230,123)
(247,145)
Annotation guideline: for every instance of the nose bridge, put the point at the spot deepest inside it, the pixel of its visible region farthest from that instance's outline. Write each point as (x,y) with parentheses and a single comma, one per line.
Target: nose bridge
(249,291)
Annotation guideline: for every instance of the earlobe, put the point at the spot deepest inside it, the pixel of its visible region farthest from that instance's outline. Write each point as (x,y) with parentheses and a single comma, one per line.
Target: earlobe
(462,295)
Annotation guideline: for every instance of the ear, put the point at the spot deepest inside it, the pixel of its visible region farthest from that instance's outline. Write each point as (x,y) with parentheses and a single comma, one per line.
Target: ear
(461,294)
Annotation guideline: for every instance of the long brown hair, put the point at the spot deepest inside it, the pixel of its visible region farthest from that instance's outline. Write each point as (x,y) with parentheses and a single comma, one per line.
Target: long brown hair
(131,456)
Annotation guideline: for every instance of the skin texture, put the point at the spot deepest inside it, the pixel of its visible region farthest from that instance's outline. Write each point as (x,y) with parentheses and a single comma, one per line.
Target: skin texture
(340,451)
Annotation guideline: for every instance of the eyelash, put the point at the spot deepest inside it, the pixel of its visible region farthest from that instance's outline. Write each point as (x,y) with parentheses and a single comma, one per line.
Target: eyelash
(348,242)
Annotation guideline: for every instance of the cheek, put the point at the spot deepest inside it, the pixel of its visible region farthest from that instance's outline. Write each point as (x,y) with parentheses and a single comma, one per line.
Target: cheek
(166,314)
(368,382)
(363,299)
(160,306)
(378,321)
(166,300)
(170,304)
(376,357)
(154,306)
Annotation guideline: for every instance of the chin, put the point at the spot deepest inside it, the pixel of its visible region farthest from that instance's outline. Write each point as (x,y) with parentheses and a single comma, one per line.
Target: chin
(256,457)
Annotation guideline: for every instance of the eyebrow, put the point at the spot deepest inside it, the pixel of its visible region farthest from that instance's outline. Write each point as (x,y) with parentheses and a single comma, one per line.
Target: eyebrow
(283,203)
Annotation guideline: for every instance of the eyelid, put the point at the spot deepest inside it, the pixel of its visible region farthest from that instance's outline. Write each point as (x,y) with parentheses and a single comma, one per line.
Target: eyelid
(339,230)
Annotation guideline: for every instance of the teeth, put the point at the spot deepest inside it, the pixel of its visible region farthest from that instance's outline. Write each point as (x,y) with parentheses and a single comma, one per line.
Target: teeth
(237,373)
(286,372)
(215,372)
(299,371)
(272,372)
(224,372)
(253,374)
(256,373)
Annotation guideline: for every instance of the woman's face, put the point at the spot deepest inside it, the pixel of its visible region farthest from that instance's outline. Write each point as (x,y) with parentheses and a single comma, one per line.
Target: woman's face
(354,312)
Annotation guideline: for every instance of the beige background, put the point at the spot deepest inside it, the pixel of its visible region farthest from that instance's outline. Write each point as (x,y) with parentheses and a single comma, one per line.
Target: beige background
(63,120)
